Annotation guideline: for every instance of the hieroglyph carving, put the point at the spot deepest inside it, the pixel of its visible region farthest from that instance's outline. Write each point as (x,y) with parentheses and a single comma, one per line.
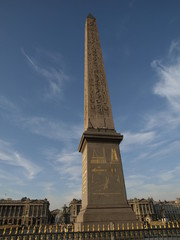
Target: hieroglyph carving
(105,166)
(97,107)
(98,90)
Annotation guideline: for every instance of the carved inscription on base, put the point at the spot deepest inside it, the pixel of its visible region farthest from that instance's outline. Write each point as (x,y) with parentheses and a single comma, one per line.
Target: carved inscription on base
(106,178)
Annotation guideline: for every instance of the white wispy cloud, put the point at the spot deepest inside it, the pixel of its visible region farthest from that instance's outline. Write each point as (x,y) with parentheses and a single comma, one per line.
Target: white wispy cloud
(67,163)
(142,186)
(12,157)
(47,187)
(46,127)
(165,176)
(135,180)
(137,139)
(162,120)
(55,76)
(174,50)
(7,105)
(157,151)
(157,142)
(53,129)
(10,178)
(168,85)
(165,150)
(166,191)
(54,57)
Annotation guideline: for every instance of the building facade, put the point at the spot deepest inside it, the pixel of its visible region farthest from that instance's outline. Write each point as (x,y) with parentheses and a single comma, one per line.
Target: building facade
(74,206)
(24,212)
(168,210)
(143,208)
(148,210)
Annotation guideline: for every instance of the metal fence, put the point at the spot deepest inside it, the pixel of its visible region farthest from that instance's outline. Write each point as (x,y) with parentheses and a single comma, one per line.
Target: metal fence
(55,233)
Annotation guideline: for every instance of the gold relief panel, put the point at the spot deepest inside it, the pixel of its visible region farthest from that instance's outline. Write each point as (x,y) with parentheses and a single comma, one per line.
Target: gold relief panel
(98,155)
(114,157)
(105,169)
(108,153)
(105,179)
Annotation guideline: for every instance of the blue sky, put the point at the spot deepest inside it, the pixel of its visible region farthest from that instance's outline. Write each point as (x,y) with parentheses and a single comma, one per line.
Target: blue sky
(41,94)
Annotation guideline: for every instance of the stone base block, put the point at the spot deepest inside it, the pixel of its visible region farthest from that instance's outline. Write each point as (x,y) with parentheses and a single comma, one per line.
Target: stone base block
(93,219)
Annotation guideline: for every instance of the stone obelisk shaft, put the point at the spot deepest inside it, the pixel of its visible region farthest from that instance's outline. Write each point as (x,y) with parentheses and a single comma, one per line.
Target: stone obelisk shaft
(104,198)
(97,107)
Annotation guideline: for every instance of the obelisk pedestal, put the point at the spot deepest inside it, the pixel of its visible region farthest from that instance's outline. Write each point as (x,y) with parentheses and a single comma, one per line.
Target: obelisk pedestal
(104,200)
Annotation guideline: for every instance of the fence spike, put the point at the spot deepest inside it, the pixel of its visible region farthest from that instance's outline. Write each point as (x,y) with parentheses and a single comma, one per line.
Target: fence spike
(4,231)
(98,228)
(123,226)
(137,226)
(10,231)
(22,231)
(132,226)
(103,228)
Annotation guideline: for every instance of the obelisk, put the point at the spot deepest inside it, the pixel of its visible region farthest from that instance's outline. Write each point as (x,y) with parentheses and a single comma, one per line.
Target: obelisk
(104,200)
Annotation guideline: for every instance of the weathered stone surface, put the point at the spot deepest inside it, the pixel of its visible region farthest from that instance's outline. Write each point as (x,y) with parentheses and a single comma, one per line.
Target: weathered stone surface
(104,199)
(97,107)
